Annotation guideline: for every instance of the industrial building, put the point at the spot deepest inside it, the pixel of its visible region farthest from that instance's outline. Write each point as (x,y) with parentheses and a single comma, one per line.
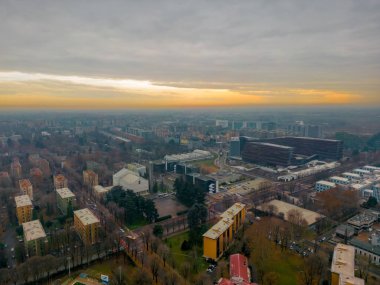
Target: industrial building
(34,238)
(323,185)
(90,178)
(87,226)
(190,156)
(26,188)
(130,180)
(24,209)
(60,181)
(219,237)
(362,221)
(267,153)
(343,266)
(64,197)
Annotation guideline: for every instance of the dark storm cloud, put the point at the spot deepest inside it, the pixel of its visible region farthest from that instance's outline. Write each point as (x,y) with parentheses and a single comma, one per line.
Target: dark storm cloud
(287,42)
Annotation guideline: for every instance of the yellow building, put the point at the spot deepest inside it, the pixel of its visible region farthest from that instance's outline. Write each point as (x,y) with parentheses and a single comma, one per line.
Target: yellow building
(219,237)
(60,181)
(343,266)
(90,178)
(24,209)
(26,187)
(87,226)
(34,238)
(64,197)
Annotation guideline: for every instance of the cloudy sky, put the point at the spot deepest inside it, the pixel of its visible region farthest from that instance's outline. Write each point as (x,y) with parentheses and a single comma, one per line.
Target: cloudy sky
(127,54)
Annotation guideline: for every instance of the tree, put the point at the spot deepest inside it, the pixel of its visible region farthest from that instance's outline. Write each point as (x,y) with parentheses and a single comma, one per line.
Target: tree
(196,217)
(185,270)
(154,267)
(70,210)
(158,231)
(164,252)
(312,271)
(155,187)
(141,277)
(271,278)
(372,202)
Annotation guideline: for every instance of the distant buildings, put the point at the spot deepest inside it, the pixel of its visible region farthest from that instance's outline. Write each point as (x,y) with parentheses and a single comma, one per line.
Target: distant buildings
(300,129)
(87,226)
(34,238)
(219,237)
(64,197)
(16,170)
(24,209)
(171,160)
(343,266)
(130,180)
(60,181)
(362,221)
(90,178)
(26,187)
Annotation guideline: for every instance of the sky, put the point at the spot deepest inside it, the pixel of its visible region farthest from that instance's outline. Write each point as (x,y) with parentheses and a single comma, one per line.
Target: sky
(174,54)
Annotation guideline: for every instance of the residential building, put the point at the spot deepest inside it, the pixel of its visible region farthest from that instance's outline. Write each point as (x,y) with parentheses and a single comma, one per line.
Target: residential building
(323,185)
(218,238)
(26,188)
(60,181)
(64,198)
(353,177)
(34,238)
(371,168)
(129,180)
(240,273)
(361,172)
(100,190)
(24,209)
(90,178)
(343,266)
(87,226)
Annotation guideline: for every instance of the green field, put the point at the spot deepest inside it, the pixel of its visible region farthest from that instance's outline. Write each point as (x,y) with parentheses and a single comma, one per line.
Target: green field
(175,242)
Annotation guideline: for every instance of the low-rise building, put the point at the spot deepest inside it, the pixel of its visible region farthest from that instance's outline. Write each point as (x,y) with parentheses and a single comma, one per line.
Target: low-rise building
(137,168)
(219,237)
(361,172)
(26,187)
(343,266)
(345,231)
(24,209)
(64,198)
(100,190)
(87,226)
(371,168)
(129,180)
(34,238)
(323,185)
(352,176)
(339,180)
(240,273)
(90,178)
(60,181)
(362,221)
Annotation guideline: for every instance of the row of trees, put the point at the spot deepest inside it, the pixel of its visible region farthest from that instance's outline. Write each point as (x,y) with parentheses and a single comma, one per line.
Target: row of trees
(135,208)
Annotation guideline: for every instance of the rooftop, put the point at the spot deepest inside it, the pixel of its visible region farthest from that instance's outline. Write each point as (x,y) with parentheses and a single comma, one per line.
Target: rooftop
(343,263)
(273,145)
(195,155)
(326,183)
(86,216)
(233,210)
(22,201)
(65,193)
(99,189)
(283,207)
(339,178)
(59,177)
(33,230)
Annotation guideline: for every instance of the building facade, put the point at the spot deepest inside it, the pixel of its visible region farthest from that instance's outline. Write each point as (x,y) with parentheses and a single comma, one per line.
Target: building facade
(323,185)
(267,154)
(87,225)
(24,209)
(219,237)
(34,238)
(64,198)
(90,178)
(235,147)
(60,181)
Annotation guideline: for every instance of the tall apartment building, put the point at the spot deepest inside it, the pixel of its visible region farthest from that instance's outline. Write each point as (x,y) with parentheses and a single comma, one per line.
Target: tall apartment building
(24,209)
(218,238)
(343,266)
(26,188)
(60,181)
(90,178)
(87,226)
(34,238)
(64,197)
(16,170)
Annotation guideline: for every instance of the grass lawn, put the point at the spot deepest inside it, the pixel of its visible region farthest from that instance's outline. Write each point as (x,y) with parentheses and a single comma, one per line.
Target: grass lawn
(138,224)
(175,242)
(287,265)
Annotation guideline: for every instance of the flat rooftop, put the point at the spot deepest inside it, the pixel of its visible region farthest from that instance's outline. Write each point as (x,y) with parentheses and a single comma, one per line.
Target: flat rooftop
(86,216)
(233,210)
(33,230)
(22,201)
(283,207)
(339,178)
(273,145)
(343,263)
(24,183)
(326,183)
(351,174)
(65,193)
(59,177)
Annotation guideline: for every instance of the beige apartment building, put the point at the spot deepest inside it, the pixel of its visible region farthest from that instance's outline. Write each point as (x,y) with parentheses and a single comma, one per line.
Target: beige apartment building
(24,209)
(26,188)
(87,226)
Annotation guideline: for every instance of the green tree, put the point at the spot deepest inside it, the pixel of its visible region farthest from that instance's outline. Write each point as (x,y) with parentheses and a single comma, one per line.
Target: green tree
(155,187)
(70,210)
(158,231)
(196,217)
(372,202)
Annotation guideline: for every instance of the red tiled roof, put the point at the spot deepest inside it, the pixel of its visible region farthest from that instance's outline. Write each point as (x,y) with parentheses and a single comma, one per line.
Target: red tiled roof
(239,267)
